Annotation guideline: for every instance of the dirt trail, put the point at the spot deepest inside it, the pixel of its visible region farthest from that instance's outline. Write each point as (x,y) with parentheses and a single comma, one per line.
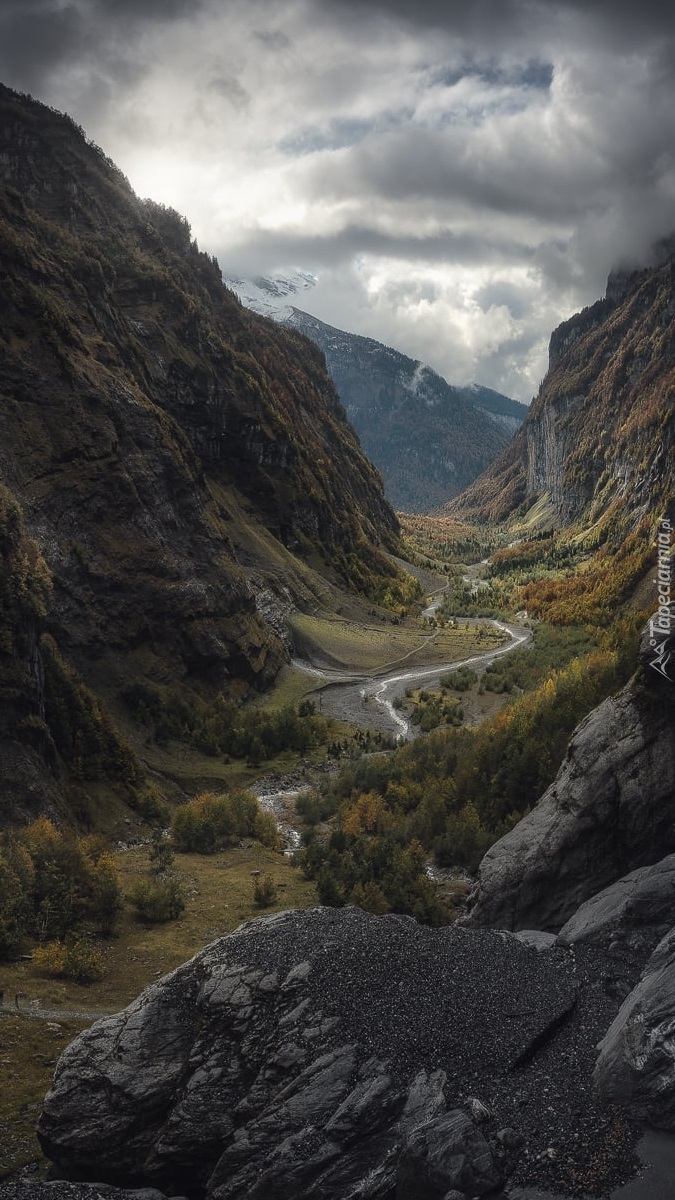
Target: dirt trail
(36,1012)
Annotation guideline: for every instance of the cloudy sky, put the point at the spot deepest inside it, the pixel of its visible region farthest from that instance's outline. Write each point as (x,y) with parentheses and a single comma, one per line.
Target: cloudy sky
(459,174)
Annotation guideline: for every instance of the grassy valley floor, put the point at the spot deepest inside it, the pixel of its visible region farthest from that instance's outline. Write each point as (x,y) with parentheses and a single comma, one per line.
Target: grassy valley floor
(219,892)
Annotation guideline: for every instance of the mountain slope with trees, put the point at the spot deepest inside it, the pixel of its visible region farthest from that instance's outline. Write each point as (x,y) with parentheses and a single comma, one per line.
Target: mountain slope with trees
(596,447)
(175,470)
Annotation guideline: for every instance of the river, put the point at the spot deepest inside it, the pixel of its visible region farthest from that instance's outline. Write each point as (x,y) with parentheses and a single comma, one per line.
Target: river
(367,701)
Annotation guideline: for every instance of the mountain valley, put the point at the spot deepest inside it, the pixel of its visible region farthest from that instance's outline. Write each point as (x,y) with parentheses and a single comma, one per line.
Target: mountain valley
(211,615)
(428,439)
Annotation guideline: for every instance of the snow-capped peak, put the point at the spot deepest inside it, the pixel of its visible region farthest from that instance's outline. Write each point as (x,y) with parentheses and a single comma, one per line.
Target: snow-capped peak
(269,295)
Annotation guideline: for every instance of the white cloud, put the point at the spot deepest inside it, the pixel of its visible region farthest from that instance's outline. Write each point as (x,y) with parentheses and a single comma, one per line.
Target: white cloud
(461,177)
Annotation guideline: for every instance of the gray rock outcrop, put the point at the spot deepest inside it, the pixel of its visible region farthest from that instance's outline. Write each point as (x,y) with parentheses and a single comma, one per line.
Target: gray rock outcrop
(322,1053)
(636,1066)
(636,911)
(610,810)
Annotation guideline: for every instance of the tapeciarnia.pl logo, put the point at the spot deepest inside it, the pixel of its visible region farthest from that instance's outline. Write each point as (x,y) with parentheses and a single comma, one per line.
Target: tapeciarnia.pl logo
(661,623)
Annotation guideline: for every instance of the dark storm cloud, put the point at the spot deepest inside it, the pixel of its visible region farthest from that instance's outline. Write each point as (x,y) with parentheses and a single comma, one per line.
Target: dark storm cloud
(496,18)
(465,171)
(36,35)
(148,10)
(504,21)
(41,37)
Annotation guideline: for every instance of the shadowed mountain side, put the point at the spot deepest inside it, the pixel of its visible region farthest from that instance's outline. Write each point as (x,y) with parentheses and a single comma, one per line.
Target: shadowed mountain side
(168,449)
(427,437)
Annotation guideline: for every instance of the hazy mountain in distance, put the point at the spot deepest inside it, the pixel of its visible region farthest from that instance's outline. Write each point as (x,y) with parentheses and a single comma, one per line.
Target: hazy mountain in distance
(428,438)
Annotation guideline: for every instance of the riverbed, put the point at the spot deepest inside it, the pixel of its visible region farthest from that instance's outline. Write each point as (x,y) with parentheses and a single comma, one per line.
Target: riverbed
(367,701)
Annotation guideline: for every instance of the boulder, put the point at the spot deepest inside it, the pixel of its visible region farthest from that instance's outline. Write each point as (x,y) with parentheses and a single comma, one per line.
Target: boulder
(609,810)
(636,1064)
(536,938)
(446,1152)
(301,1057)
(636,911)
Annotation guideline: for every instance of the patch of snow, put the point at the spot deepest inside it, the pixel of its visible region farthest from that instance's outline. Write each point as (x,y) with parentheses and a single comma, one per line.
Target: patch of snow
(269,295)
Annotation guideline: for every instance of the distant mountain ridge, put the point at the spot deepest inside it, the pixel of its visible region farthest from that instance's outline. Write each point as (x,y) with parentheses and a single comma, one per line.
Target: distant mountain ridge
(428,439)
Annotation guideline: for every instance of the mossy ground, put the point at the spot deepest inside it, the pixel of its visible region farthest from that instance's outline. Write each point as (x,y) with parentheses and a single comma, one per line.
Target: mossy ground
(219,890)
(356,647)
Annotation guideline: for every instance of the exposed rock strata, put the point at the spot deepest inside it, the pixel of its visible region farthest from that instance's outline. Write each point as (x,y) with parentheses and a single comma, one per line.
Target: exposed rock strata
(597,444)
(637,910)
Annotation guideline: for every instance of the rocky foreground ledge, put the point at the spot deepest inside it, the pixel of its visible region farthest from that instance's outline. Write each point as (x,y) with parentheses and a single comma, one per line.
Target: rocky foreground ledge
(333,1054)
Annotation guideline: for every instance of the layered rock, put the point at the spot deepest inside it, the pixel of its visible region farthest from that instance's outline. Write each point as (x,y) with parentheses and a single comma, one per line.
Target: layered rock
(637,910)
(609,811)
(597,444)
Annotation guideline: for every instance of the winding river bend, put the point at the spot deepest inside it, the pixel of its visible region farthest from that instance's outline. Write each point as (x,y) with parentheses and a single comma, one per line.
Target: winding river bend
(367,700)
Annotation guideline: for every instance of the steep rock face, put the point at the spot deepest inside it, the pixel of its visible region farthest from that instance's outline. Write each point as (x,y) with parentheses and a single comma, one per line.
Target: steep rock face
(598,440)
(636,1065)
(609,810)
(319,1053)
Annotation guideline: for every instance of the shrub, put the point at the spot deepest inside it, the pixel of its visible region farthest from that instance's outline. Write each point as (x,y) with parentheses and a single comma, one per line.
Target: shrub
(51,884)
(76,958)
(210,823)
(459,680)
(161,853)
(157,900)
(106,902)
(264,891)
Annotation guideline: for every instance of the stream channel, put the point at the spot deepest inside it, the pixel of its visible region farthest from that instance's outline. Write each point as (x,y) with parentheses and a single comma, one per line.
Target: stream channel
(367,700)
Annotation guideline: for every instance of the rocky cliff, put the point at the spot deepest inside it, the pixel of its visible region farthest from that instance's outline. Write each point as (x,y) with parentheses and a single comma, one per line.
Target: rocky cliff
(609,810)
(598,441)
(170,451)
